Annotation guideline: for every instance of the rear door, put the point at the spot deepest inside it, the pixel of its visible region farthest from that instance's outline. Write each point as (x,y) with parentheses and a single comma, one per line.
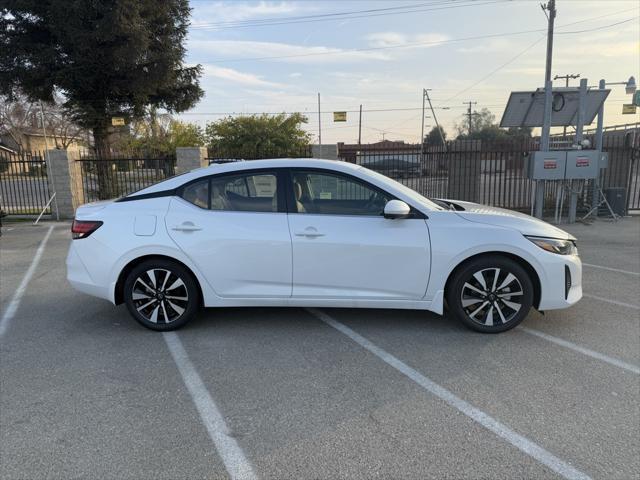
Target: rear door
(344,248)
(234,228)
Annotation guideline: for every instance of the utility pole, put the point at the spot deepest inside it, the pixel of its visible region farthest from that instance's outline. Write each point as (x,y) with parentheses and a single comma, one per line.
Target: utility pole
(360,126)
(567,78)
(425,94)
(548,97)
(469,114)
(319,122)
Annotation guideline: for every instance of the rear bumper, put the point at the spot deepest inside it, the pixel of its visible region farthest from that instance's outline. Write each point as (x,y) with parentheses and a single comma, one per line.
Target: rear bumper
(556,293)
(79,277)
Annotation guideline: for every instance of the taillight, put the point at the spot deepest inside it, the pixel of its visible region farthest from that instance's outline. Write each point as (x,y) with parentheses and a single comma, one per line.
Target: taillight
(84,228)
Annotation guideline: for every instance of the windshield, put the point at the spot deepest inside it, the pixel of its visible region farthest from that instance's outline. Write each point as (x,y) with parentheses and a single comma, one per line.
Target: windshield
(412,194)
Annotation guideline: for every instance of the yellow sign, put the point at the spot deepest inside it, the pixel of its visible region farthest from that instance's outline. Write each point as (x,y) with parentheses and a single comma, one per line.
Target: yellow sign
(117,121)
(628,109)
(339,116)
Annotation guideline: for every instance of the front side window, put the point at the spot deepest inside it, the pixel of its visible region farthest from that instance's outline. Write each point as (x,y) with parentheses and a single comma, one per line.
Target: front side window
(256,192)
(335,194)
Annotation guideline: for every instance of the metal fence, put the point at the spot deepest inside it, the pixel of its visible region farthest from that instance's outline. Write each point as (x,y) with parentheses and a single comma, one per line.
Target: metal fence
(493,173)
(117,174)
(227,155)
(24,187)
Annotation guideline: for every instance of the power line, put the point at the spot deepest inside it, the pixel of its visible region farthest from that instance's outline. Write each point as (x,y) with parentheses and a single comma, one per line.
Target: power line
(343,16)
(416,44)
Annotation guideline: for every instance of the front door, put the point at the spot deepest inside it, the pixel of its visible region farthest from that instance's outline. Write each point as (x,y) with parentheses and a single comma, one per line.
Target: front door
(343,247)
(233,228)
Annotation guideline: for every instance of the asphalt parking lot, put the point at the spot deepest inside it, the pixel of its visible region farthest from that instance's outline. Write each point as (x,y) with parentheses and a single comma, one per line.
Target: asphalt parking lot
(292,393)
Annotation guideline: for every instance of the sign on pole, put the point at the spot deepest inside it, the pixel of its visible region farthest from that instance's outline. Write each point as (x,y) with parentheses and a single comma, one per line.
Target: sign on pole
(117,121)
(628,109)
(339,116)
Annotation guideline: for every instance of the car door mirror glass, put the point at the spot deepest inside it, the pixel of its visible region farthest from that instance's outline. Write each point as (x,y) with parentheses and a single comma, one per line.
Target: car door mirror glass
(396,209)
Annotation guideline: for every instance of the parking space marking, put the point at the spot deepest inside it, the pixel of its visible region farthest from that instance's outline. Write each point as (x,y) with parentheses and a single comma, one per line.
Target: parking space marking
(613,302)
(610,269)
(585,351)
(230,452)
(523,444)
(10,312)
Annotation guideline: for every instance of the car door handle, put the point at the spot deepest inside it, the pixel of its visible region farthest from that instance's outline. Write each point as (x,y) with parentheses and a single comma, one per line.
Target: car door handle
(309,232)
(186,227)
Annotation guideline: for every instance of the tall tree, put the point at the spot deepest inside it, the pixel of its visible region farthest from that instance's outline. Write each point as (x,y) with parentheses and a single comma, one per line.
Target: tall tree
(105,57)
(256,136)
(436,136)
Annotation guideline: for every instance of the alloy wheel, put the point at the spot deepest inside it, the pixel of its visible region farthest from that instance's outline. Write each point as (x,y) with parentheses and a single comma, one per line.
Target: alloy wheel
(159,295)
(492,296)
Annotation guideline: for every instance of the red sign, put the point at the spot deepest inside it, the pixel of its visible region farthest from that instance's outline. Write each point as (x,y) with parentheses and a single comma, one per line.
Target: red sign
(550,163)
(582,161)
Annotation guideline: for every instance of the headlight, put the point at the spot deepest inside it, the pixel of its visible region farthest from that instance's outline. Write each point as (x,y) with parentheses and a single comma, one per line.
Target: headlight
(554,245)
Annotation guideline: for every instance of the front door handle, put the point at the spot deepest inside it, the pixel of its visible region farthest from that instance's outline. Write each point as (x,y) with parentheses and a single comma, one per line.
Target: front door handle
(309,232)
(186,227)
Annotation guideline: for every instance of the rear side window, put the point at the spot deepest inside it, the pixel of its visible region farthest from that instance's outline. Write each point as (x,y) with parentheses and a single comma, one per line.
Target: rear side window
(254,192)
(197,193)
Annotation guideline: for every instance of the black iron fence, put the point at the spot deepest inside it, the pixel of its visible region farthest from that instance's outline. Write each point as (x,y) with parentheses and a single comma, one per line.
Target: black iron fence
(227,155)
(106,176)
(493,173)
(24,187)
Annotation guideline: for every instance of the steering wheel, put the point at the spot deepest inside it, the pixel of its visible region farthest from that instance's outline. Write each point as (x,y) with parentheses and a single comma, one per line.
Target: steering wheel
(372,202)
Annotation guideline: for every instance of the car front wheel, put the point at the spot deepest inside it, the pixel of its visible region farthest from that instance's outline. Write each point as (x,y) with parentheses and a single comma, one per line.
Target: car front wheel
(490,294)
(161,294)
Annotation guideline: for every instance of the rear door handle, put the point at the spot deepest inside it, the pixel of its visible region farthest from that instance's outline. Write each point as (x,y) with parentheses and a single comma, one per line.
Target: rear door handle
(186,227)
(309,232)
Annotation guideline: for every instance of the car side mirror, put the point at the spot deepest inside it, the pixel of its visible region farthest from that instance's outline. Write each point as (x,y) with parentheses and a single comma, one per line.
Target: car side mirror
(396,209)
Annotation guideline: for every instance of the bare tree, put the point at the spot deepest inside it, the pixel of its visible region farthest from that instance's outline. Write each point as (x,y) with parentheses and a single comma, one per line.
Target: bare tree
(20,117)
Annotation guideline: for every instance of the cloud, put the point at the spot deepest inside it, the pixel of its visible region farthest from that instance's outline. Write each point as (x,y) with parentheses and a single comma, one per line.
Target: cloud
(252,49)
(237,77)
(390,39)
(295,74)
(216,12)
(490,46)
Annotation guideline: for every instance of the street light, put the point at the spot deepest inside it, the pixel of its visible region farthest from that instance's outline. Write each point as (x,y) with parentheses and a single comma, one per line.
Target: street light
(630,87)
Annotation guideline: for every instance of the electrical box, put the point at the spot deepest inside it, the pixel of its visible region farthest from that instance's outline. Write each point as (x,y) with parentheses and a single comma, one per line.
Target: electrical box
(546,165)
(583,164)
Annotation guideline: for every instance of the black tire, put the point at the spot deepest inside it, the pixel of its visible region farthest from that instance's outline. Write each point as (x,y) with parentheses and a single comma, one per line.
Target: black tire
(161,295)
(487,308)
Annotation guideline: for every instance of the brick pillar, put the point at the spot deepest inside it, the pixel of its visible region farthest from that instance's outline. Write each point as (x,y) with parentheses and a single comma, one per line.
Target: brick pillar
(327,152)
(188,158)
(65,179)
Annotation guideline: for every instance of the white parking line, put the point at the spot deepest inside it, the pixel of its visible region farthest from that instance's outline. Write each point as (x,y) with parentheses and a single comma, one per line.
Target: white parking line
(618,270)
(585,351)
(523,444)
(231,453)
(613,302)
(10,312)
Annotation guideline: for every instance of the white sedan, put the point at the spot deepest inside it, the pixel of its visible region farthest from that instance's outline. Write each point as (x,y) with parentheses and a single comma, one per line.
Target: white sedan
(316,233)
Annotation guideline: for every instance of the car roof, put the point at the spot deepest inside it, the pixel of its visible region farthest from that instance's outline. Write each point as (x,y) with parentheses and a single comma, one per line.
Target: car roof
(239,166)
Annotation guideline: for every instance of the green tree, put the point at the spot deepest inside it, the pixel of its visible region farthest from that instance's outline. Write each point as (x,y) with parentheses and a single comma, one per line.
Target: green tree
(484,127)
(105,57)
(257,136)
(436,137)
(161,134)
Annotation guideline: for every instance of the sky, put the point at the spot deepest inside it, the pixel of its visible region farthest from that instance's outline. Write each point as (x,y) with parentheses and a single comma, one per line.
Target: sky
(276,56)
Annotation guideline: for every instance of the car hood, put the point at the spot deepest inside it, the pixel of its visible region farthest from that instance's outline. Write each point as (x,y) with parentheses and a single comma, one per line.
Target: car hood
(502,217)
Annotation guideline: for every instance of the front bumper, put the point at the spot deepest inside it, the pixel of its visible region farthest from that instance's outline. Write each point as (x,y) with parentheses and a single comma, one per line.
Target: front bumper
(555,291)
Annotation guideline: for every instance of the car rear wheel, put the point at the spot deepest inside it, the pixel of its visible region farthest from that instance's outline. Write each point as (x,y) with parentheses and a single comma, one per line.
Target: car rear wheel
(161,294)
(490,294)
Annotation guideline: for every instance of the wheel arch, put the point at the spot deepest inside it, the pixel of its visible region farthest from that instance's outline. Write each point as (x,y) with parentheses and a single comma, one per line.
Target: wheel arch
(533,274)
(119,287)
